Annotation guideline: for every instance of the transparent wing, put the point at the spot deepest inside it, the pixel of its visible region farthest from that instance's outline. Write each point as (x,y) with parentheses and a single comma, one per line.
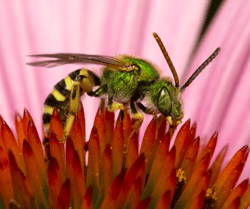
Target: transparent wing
(71,58)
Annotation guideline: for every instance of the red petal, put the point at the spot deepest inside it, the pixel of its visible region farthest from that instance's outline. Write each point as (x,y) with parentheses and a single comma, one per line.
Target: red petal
(64,196)
(6,187)
(87,201)
(148,141)
(55,181)
(114,191)
(129,180)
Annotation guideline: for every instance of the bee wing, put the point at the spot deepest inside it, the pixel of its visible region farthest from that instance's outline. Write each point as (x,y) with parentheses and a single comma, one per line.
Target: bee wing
(71,58)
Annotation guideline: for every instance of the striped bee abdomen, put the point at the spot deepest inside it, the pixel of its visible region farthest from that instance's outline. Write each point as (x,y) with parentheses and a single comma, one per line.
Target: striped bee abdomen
(59,98)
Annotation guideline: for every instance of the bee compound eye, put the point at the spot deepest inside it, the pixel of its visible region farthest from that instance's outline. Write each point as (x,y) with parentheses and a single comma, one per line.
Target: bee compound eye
(164,103)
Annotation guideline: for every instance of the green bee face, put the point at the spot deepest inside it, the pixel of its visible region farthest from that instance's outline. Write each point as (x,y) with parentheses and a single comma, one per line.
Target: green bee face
(166,98)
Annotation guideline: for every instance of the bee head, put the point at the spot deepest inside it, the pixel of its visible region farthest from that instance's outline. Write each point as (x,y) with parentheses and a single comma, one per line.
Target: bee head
(166,98)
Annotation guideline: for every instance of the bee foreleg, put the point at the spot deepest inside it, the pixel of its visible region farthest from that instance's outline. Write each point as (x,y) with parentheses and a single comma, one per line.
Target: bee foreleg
(114,106)
(144,108)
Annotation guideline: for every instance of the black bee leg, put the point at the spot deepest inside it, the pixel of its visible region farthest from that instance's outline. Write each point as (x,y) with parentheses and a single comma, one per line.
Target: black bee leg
(137,115)
(144,108)
(114,106)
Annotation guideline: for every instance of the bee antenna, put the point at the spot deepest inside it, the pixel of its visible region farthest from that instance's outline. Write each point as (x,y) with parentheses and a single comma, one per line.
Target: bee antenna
(170,64)
(197,72)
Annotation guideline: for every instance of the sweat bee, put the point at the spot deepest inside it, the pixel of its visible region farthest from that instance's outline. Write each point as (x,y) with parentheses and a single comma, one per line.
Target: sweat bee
(125,80)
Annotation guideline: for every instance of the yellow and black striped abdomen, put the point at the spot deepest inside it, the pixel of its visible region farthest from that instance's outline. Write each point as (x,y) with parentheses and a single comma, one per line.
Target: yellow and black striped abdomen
(59,98)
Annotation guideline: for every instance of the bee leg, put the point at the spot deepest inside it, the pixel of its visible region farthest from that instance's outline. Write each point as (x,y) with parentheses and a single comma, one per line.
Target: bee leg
(137,115)
(74,100)
(114,106)
(144,108)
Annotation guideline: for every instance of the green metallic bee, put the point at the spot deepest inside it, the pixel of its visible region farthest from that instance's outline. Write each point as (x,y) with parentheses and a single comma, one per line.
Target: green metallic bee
(125,80)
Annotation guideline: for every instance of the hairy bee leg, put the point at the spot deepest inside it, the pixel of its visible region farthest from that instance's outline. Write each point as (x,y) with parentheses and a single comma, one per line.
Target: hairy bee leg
(144,108)
(114,106)
(137,115)
(74,100)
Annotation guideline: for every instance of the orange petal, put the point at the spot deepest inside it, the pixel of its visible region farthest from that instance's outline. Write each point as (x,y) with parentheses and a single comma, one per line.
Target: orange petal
(81,117)
(9,143)
(239,157)
(160,134)
(235,203)
(158,163)
(129,180)
(245,200)
(166,171)
(189,158)
(78,139)
(78,182)
(87,201)
(164,201)
(33,175)
(117,145)
(35,144)
(210,146)
(181,142)
(237,192)
(228,185)
(19,130)
(201,187)
(57,153)
(191,134)
(26,119)
(194,180)
(99,123)
(70,150)
(21,186)
(56,125)
(93,169)
(132,152)
(135,193)
(107,173)
(109,124)
(199,201)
